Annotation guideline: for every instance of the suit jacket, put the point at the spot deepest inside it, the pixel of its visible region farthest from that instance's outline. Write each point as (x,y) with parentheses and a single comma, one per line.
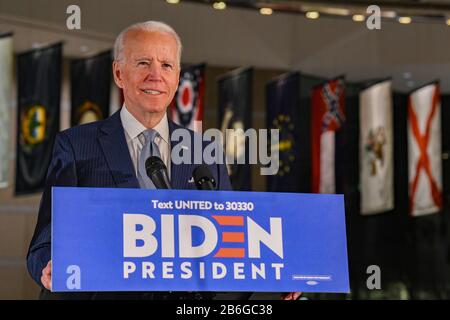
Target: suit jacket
(97,155)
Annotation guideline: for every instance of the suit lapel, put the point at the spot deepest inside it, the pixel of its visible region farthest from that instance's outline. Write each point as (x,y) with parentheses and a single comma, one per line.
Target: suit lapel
(180,173)
(114,146)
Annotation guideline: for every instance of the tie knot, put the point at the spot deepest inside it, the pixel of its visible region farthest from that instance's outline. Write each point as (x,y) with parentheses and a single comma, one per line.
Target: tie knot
(150,135)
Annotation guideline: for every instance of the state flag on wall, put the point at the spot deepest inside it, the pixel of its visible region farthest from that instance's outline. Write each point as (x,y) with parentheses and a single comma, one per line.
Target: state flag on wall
(187,105)
(424,150)
(39,92)
(235,102)
(376,148)
(327,118)
(283,114)
(90,88)
(445,99)
(6,79)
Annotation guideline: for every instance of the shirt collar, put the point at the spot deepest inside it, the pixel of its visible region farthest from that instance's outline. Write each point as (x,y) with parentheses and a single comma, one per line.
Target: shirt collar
(133,127)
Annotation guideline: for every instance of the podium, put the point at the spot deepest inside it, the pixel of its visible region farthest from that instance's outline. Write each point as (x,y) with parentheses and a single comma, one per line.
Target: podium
(189,240)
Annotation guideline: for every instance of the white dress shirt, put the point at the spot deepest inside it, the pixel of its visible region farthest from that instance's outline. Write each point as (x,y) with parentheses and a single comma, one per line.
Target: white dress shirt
(133,128)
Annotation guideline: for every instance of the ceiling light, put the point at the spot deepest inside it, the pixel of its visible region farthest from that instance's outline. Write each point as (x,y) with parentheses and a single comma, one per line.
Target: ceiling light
(405,20)
(219,5)
(173,1)
(312,15)
(326,10)
(336,11)
(266,11)
(358,17)
(388,14)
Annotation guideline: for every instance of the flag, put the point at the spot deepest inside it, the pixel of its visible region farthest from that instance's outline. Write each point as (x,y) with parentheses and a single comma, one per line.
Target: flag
(445,99)
(6,78)
(235,101)
(90,88)
(327,118)
(424,150)
(376,148)
(283,114)
(39,92)
(187,106)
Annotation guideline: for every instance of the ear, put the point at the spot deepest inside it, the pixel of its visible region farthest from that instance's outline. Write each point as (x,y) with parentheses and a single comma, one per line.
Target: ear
(117,73)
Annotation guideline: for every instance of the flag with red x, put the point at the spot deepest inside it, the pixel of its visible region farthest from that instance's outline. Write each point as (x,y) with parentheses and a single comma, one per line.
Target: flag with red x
(424,151)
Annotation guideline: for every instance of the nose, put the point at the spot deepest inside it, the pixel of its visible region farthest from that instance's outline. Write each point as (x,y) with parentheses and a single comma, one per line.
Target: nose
(154,72)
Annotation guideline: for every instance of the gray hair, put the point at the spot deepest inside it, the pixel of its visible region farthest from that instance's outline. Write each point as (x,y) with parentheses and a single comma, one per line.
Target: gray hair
(150,26)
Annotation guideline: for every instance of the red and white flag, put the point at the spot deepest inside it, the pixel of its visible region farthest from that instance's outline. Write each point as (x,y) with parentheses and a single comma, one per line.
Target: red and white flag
(187,105)
(376,148)
(327,117)
(424,150)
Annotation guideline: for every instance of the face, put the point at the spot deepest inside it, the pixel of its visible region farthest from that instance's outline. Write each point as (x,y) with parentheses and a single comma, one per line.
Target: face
(148,72)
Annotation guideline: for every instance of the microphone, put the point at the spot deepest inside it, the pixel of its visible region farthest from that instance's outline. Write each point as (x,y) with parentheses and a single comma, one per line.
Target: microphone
(203,178)
(157,172)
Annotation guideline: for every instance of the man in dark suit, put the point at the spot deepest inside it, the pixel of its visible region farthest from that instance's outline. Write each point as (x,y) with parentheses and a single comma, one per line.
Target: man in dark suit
(112,152)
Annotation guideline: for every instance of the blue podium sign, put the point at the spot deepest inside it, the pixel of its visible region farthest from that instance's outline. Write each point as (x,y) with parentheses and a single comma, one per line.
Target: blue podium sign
(188,240)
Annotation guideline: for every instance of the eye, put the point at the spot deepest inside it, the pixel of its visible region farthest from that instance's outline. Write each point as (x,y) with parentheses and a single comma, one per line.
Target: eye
(143,63)
(167,66)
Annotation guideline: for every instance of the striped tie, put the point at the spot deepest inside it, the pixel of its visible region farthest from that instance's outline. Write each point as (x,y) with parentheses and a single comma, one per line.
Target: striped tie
(150,148)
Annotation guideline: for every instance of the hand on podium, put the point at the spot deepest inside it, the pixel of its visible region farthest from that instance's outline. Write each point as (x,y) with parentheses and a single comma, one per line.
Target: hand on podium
(291,296)
(46,277)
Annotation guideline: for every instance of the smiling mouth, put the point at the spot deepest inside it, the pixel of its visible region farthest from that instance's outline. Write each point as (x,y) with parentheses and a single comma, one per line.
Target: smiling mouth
(152,92)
